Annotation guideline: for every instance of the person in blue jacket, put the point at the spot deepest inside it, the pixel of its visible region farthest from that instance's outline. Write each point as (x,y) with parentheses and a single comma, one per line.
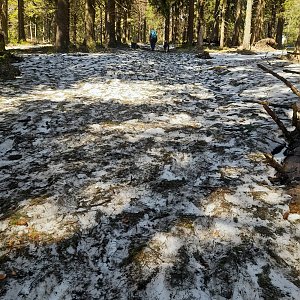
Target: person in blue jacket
(153,38)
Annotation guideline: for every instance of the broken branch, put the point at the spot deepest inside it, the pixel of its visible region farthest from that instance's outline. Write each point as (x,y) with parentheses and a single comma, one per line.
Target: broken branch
(291,71)
(273,163)
(285,132)
(284,106)
(293,53)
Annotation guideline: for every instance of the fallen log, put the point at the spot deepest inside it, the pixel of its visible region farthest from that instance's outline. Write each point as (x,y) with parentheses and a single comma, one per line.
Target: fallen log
(287,83)
(291,71)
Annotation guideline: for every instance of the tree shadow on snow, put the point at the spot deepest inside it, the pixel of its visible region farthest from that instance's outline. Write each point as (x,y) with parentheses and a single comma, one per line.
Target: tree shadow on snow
(132,191)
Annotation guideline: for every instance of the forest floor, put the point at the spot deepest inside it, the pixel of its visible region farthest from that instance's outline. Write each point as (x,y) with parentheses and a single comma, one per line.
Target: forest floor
(141,175)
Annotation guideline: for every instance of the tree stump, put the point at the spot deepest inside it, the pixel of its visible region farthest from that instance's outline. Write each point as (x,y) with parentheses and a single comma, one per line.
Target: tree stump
(203,55)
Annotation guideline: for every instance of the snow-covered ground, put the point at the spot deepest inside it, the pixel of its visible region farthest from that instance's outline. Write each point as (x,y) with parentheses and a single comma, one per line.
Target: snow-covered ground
(140,175)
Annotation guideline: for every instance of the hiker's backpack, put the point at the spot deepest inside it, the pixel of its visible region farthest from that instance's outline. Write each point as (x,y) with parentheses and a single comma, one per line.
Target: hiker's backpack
(153,35)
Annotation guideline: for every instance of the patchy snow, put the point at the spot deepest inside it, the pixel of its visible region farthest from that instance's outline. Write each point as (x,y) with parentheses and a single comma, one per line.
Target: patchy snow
(141,175)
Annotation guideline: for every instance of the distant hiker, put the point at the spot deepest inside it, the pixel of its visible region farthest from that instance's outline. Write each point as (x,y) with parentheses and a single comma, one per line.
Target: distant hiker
(166,46)
(153,38)
(134,40)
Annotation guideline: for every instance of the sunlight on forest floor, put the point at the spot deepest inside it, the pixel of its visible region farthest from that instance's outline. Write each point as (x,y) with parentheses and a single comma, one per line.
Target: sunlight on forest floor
(140,175)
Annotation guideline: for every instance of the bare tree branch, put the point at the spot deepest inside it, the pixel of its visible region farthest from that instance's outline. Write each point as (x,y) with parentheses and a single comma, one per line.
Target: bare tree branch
(286,133)
(287,83)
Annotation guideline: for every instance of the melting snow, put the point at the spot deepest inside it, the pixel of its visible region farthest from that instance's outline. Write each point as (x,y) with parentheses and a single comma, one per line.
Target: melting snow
(140,175)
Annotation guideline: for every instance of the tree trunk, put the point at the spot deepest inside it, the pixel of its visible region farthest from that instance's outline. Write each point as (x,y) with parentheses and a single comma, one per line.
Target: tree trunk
(129,31)
(247,29)
(145,31)
(89,38)
(190,29)
(258,21)
(4,20)
(223,24)
(272,22)
(74,27)
(30,30)
(44,31)
(118,25)
(101,26)
(35,30)
(216,29)
(105,32)
(175,24)
(200,25)
(167,26)
(237,24)
(297,45)
(111,21)
(279,32)
(2,17)
(2,42)
(21,23)
(62,26)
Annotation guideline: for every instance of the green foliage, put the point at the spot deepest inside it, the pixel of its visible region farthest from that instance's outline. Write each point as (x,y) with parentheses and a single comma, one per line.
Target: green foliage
(155,20)
(292,16)
(39,19)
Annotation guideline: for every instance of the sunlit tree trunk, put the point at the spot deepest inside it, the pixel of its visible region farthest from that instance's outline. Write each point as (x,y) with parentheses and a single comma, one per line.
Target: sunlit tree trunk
(200,25)
(190,29)
(101,25)
(21,23)
(145,31)
(237,24)
(111,21)
(247,29)
(175,25)
(44,30)
(73,21)
(127,31)
(62,26)
(125,27)
(297,45)
(35,30)
(30,30)
(49,28)
(89,38)
(105,24)
(223,20)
